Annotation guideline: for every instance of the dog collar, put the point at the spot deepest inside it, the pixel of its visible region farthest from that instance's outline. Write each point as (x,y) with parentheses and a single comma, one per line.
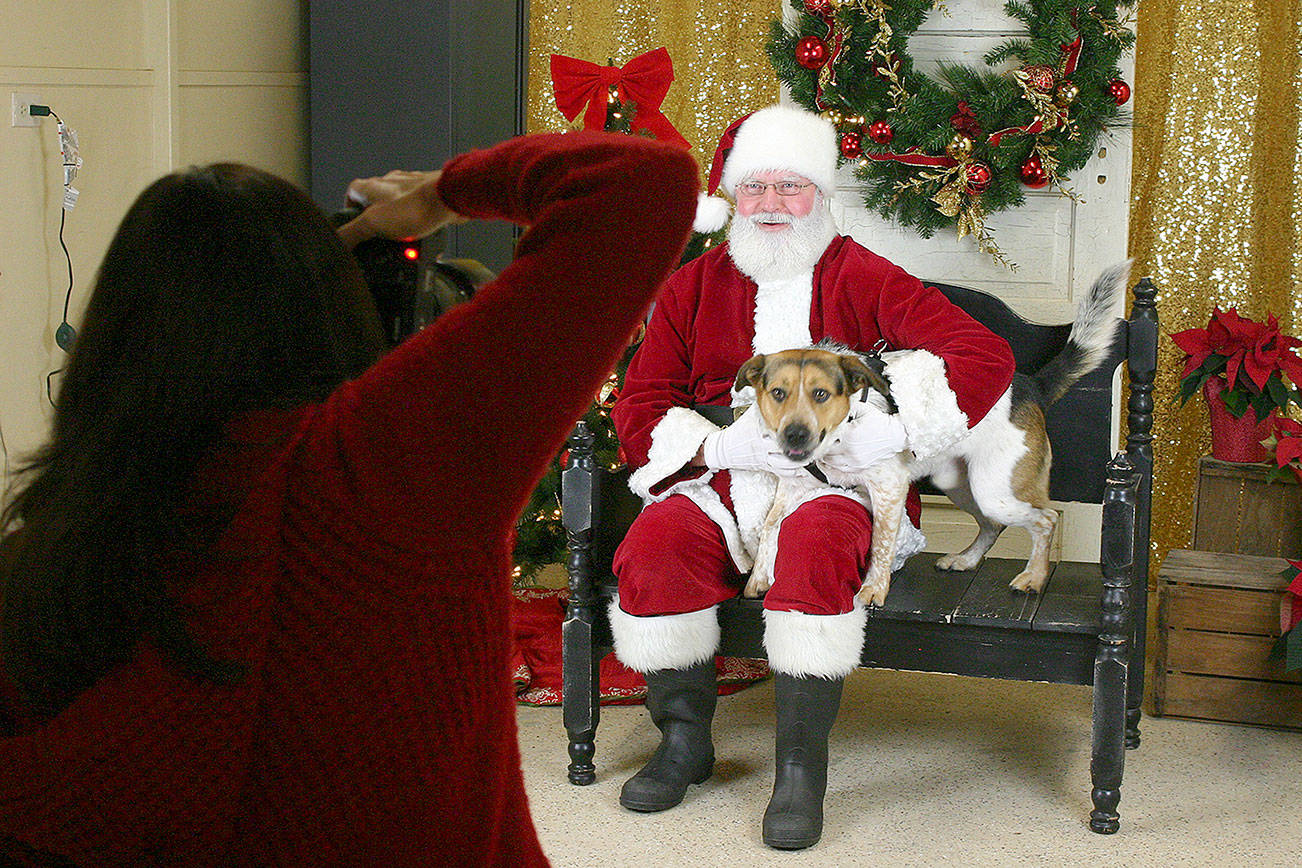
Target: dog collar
(817,473)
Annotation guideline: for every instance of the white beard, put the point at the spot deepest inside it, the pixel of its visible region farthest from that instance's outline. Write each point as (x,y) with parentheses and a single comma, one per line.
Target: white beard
(767,256)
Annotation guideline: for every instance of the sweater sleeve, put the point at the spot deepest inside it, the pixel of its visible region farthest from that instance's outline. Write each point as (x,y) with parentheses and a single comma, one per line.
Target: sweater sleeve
(445,437)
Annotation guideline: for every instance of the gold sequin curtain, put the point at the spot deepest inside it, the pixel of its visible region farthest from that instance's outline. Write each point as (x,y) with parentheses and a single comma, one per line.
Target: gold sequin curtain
(1216,212)
(720,70)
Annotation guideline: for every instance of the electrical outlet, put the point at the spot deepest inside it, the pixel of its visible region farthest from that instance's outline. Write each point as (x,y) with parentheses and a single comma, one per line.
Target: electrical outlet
(22,117)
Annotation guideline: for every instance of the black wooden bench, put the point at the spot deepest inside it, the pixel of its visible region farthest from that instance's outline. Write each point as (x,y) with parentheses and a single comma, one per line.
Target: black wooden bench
(1086,627)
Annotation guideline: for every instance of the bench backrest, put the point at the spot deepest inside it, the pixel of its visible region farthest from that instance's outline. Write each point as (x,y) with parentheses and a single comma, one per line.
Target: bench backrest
(1080,423)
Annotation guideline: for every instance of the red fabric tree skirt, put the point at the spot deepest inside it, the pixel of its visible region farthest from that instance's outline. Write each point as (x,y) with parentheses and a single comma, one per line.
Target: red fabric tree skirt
(536,618)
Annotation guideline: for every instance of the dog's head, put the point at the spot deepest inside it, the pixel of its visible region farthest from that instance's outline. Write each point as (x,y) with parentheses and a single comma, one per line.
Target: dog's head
(804,394)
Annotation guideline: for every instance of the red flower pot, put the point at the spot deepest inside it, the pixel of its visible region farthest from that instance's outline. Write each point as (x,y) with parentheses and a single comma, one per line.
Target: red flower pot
(1234,439)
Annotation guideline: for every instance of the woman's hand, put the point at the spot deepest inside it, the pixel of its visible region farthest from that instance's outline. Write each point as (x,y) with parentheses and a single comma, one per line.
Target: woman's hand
(400,205)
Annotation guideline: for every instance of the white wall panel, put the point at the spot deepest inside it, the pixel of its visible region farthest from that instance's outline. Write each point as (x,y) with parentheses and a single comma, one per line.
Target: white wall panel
(149,85)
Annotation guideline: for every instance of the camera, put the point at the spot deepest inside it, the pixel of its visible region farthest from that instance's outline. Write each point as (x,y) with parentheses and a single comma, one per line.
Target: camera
(410,281)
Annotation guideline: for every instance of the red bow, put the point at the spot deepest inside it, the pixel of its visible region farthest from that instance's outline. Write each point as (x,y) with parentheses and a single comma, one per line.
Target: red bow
(1071,57)
(1032,128)
(645,80)
(914,158)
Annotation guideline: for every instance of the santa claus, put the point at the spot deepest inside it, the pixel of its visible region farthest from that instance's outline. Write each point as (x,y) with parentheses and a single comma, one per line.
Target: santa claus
(786,278)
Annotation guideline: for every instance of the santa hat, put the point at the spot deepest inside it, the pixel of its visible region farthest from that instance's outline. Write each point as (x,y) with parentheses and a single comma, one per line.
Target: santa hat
(777,138)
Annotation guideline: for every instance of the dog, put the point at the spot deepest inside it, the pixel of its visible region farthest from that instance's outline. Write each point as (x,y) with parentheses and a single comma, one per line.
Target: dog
(998,472)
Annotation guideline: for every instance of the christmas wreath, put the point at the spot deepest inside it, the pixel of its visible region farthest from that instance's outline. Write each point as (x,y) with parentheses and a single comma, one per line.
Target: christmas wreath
(947,151)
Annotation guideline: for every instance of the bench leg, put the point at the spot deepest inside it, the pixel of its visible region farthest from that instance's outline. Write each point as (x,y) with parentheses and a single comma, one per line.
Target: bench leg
(580,693)
(1109,745)
(1132,727)
(1135,672)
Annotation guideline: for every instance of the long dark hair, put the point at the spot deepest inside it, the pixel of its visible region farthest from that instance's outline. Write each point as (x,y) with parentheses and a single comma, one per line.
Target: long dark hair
(225,290)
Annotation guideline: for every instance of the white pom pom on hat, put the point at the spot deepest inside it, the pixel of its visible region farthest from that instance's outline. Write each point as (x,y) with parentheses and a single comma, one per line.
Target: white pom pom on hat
(777,138)
(712,213)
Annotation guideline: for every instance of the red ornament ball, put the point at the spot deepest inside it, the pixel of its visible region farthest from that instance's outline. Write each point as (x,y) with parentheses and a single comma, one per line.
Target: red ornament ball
(851,145)
(1033,173)
(881,132)
(1039,77)
(978,178)
(811,52)
(1120,91)
(819,7)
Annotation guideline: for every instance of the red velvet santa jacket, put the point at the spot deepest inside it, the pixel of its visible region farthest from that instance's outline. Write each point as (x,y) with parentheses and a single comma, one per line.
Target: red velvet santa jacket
(370,602)
(704,328)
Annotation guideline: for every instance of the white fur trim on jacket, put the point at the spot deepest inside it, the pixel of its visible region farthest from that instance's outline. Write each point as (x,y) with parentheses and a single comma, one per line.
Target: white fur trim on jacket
(928,407)
(674,442)
(712,505)
(646,644)
(782,313)
(752,495)
(827,646)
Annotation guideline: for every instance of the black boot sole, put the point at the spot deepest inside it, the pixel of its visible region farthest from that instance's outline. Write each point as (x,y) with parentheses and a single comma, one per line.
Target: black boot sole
(792,843)
(648,806)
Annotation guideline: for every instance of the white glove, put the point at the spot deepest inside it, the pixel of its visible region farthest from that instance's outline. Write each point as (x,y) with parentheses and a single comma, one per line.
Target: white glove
(746,444)
(866,440)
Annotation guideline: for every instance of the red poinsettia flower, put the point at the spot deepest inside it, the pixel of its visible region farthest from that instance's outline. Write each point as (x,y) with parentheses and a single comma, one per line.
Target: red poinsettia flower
(1272,351)
(965,121)
(1252,357)
(1286,444)
(1295,588)
(1198,344)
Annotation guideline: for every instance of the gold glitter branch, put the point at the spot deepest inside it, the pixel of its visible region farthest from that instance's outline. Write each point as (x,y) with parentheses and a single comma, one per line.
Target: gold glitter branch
(952,200)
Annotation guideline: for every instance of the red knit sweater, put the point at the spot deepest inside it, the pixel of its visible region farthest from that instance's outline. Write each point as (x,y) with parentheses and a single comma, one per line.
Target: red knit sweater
(368,592)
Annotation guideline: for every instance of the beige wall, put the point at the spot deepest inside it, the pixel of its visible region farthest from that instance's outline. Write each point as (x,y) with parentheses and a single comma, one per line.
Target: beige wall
(149,85)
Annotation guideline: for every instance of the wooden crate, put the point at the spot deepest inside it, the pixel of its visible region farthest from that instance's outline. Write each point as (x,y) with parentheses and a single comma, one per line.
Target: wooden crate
(1237,510)
(1218,615)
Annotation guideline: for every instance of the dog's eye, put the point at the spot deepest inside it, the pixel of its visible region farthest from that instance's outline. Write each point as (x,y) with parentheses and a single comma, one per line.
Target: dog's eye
(778,395)
(821,395)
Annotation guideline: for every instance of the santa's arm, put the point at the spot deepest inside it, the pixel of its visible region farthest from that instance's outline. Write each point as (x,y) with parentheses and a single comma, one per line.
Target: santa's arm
(958,370)
(658,431)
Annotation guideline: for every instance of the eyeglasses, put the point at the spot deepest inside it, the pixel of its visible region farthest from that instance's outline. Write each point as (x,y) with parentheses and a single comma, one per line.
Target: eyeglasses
(754,189)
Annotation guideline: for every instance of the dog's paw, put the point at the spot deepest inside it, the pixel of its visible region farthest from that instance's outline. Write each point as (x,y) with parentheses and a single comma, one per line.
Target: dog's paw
(957,561)
(873,595)
(1028,581)
(756,586)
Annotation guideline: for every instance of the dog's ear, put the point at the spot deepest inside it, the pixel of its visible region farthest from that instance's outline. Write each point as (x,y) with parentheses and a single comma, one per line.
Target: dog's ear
(860,375)
(750,373)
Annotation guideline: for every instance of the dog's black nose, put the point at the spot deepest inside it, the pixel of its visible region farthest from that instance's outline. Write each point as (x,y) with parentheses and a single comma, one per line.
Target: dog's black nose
(797,436)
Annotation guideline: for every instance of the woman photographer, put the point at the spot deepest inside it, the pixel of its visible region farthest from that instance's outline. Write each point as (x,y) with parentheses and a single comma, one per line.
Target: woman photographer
(255,586)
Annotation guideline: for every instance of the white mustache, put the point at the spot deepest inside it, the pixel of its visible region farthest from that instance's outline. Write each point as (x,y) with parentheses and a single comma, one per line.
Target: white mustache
(771,217)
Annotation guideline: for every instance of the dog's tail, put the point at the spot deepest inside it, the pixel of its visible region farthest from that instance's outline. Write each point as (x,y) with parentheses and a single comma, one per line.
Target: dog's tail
(1092,336)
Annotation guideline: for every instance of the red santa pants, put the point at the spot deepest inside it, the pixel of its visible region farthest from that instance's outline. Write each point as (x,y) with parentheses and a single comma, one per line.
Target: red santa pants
(674,559)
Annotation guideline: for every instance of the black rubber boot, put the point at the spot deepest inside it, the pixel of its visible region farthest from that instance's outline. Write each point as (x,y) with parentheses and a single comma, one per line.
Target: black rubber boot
(806,709)
(681,703)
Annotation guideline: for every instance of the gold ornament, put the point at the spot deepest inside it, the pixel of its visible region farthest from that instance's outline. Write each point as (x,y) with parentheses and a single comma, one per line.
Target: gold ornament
(1066,94)
(834,116)
(855,120)
(959,147)
(949,199)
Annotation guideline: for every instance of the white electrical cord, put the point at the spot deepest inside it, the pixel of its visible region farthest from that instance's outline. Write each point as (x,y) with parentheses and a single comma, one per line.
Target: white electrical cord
(65,335)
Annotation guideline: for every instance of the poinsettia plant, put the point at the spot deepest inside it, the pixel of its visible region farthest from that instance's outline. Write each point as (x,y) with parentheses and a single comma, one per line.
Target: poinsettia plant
(1252,358)
(1285,445)
(1289,647)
